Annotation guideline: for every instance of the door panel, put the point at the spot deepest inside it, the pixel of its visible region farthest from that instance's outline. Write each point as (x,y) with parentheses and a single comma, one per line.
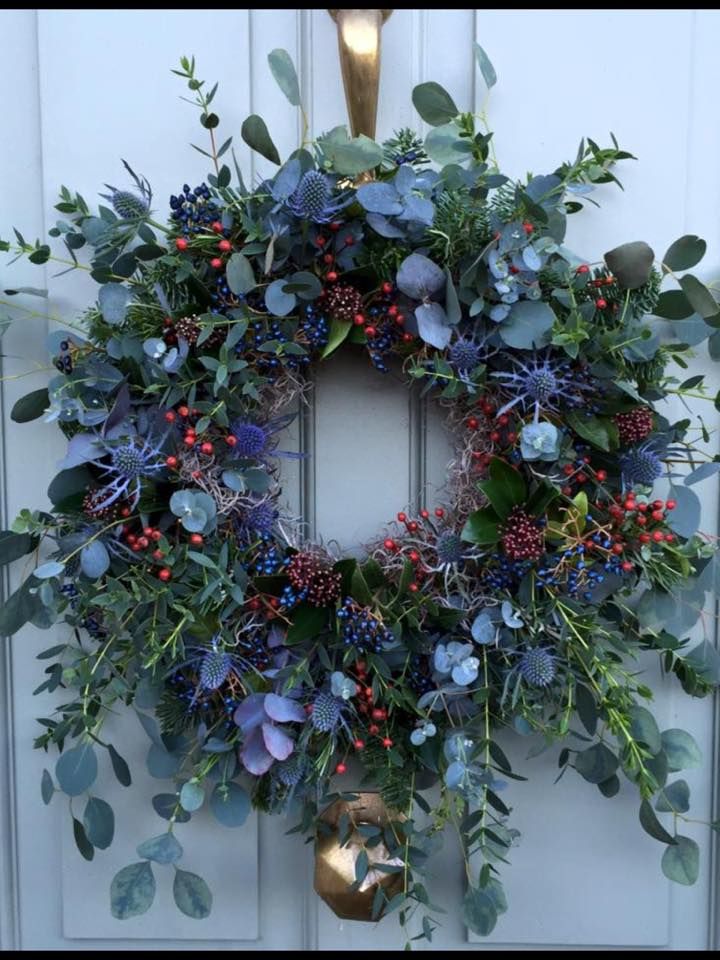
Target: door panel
(583,873)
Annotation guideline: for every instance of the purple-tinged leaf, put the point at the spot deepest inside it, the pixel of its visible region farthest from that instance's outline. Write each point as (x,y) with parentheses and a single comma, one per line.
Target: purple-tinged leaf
(278,743)
(283,709)
(251,712)
(253,756)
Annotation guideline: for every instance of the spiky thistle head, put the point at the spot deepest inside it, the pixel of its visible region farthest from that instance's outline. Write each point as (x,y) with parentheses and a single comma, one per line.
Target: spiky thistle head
(251,439)
(261,517)
(313,198)
(291,771)
(214,669)
(128,205)
(464,354)
(545,383)
(450,548)
(537,667)
(641,465)
(326,712)
(129,460)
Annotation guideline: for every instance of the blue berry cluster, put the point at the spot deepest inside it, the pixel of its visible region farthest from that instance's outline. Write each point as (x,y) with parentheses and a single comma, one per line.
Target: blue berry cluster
(290,597)
(572,569)
(64,361)
(361,629)
(268,560)
(194,210)
(501,572)
(254,652)
(418,674)
(386,338)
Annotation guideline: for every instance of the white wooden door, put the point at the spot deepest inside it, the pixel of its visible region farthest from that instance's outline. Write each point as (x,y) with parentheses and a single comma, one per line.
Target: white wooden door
(81,89)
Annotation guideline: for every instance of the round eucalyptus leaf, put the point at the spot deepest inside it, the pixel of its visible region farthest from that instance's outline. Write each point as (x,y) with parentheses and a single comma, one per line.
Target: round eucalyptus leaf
(132,890)
(479,911)
(99,822)
(192,796)
(681,750)
(165,848)
(76,769)
(192,895)
(681,862)
(230,804)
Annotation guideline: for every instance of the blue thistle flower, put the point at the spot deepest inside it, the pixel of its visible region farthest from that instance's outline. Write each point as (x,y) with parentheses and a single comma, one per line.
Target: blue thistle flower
(291,771)
(465,355)
(641,465)
(131,461)
(313,198)
(450,548)
(129,205)
(255,441)
(544,383)
(537,667)
(326,712)
(214,669)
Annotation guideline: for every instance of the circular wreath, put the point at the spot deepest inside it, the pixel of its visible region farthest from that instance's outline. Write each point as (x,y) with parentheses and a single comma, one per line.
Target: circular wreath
(264,665)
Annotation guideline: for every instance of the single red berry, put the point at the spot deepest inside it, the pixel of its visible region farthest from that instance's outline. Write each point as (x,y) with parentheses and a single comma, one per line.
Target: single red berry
(669,537)
(165,574)
(171,462)
(629,505)
(390,544)
(512,436)
(370,331)
(196,539)
(439,512)
(568,469)
(424,513)
(196,474)
(131,538)
(658,536)
(321,241)
(601,303)
(331,276)
(387,742)
(158,555)
(582,478)
(601,475)
(359,320)
(181,243)
(216,263)
(658,515)
(341,768)
(408,338)
(387,287)
(503,419)
(170,416)
(473,423)
(641,520)
(583,268)
(156,535)
(528,228)
(402,517)
(644,538)
(494,436)
(400,319)
(189,439)
(412,526)
(148,531)
(183,411)
(136,548)
(216,226)
(671,504)
(658,504)
(414,556)
(373,729)
(627,566)
(617,548)
(378,713)
(359,744)
(349,241)
(413,587)
(368,693)
(328,258)
(206,448)
(143,543)
(225,246)
(567,491)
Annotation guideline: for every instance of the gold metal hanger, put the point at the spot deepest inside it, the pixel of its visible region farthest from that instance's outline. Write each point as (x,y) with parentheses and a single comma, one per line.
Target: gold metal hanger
(359,43)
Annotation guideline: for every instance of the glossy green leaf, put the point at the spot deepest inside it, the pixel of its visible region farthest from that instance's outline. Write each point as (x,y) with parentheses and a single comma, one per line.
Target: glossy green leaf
(685,253)
(434,103)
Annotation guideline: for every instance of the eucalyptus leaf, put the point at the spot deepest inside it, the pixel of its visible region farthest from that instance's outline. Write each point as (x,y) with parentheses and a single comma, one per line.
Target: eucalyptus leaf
(132,890)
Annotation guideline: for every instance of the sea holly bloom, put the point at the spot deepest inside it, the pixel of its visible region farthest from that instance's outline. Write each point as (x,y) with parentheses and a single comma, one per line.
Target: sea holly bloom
(313,198)
(641,465)
(543,383)
(256,441)
(537,667)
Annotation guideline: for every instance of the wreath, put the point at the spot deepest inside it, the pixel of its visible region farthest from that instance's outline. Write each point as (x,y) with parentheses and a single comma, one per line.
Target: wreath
(263,665)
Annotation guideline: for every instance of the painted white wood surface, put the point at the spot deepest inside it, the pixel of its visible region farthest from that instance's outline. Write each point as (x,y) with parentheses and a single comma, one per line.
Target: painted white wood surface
(85,88)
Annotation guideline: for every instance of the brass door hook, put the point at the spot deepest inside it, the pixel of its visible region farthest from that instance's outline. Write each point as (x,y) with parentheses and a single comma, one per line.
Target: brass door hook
(359,43)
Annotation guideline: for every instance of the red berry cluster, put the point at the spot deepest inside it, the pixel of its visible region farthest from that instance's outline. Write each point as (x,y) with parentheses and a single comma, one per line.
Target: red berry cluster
(521,538)
(264,602)
(314,573)
(419,549)
(639,522)
(192,441)
(635,425)
(375,714)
